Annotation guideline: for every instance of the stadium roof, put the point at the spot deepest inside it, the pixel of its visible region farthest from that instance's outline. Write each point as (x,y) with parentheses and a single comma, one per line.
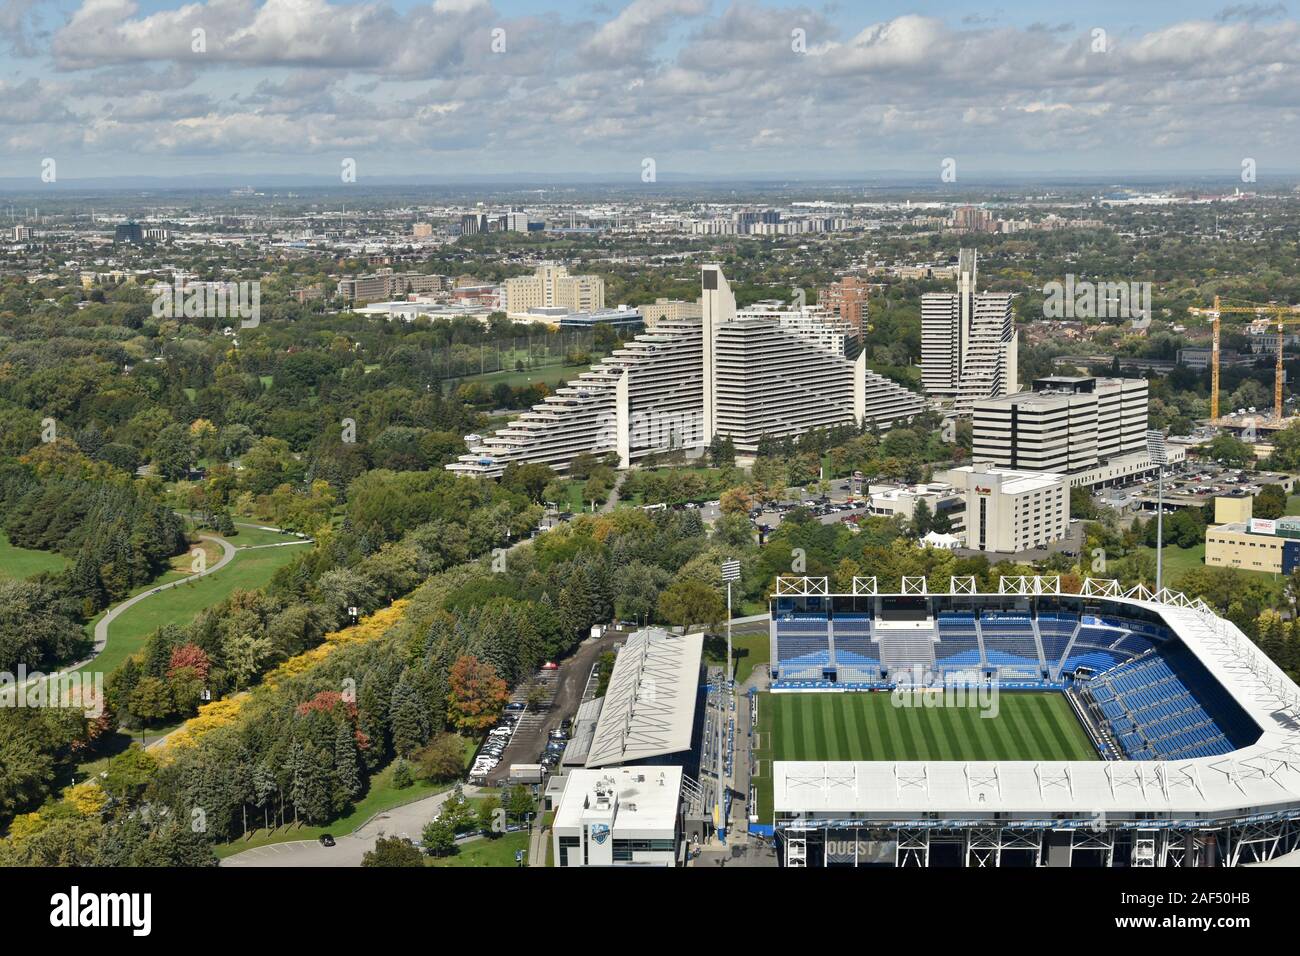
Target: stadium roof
(1258,779)
(584,730)
(649,707)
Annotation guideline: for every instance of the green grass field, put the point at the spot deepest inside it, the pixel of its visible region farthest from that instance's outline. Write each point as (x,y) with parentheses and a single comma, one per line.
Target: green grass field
(869,726)
(249,570)
(18,562)
(484,852)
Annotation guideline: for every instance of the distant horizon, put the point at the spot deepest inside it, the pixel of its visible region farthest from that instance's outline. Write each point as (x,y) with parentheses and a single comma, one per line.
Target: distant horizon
(670,182)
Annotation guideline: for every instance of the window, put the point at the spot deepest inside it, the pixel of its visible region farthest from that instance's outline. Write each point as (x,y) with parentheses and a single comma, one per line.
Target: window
(567,843)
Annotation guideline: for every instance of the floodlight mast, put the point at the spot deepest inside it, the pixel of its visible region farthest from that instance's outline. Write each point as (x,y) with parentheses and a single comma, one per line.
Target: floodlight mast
(730,573)
(1158,450)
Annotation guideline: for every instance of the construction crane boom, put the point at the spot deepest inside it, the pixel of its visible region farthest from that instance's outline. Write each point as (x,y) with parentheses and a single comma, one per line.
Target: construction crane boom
(1280,312)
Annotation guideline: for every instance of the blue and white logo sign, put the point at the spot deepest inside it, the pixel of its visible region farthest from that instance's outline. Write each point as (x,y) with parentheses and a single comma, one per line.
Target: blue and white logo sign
(600,833)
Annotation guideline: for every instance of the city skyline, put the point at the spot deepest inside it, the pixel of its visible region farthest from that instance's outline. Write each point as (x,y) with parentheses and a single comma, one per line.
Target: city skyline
(468,88)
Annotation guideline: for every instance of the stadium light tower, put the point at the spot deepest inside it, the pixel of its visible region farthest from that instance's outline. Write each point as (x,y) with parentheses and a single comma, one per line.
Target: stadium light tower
(1159,453)
(730,573)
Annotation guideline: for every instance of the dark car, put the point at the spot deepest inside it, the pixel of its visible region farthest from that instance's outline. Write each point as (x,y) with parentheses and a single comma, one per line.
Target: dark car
(326,839)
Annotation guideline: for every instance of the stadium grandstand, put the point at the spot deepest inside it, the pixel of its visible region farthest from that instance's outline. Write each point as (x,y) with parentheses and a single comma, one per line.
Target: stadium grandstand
(1138,729)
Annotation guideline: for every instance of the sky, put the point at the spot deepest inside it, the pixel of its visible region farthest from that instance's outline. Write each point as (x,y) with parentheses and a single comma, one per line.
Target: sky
(458,88)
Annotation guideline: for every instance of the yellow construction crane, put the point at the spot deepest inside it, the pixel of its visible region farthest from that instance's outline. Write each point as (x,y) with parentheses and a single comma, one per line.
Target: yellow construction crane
(1281,312)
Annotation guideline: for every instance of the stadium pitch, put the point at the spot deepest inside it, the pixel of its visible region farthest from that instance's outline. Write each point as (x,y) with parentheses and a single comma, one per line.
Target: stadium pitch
(869,726)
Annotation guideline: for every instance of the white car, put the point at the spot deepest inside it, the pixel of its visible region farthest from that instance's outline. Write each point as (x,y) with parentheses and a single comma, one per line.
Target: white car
(499,732)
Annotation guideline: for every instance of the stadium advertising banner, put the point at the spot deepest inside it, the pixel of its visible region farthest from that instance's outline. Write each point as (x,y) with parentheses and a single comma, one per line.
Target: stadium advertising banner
(848,847)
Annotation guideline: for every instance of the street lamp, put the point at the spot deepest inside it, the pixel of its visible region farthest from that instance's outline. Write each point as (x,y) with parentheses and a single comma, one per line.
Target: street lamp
(1159,453)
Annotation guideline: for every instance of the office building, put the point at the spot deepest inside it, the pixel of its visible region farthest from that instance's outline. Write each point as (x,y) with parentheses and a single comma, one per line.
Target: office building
(551,286)
(671,310)
(769,373)
(472,223)
(385,284)
(1073,425)
(968,344)
(129,232)
(1010,511)
(624,816)
(24,233)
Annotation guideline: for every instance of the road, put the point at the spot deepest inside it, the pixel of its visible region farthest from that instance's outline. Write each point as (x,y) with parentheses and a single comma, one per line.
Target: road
(348,850)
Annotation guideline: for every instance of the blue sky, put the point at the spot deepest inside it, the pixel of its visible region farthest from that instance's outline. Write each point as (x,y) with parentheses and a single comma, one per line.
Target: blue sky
(159,87)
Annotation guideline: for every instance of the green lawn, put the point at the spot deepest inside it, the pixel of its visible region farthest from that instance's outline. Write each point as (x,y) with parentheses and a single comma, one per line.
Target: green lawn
(249,570)
(485,852)
(747,652)
(18,562)
(869,726)
(1178,561)
(251,534)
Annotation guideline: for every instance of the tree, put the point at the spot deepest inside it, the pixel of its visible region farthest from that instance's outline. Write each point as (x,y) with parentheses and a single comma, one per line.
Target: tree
(441,759)
(439,837)
(489,816)
(173,451)
(393,851)
(475,694)
(151,700)
(520,803)
(1228,450)
(690,602)
(1270,502)
(402,774)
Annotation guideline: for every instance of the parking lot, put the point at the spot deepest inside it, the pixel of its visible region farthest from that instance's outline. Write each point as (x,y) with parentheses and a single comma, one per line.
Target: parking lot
(561,692)
(1190,484)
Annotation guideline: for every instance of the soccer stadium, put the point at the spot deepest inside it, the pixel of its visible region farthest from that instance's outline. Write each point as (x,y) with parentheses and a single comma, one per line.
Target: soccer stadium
(1031,727)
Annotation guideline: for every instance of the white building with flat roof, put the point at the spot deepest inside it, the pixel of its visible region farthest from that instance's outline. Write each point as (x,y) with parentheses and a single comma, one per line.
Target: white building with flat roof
(1009,511)
(1066,424)
(621,816)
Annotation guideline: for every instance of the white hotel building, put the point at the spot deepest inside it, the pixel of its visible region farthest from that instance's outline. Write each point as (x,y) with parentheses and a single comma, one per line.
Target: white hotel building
(741,374)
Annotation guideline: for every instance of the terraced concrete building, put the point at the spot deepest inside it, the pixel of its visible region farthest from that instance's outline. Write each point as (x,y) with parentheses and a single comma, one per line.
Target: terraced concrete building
(737,373)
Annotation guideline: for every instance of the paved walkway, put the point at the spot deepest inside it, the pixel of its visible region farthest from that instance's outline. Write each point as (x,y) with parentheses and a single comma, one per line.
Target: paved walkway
(228,552)
(407,820)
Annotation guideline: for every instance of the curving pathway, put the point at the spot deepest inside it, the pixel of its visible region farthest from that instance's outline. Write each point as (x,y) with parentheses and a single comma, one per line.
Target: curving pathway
(228,552)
